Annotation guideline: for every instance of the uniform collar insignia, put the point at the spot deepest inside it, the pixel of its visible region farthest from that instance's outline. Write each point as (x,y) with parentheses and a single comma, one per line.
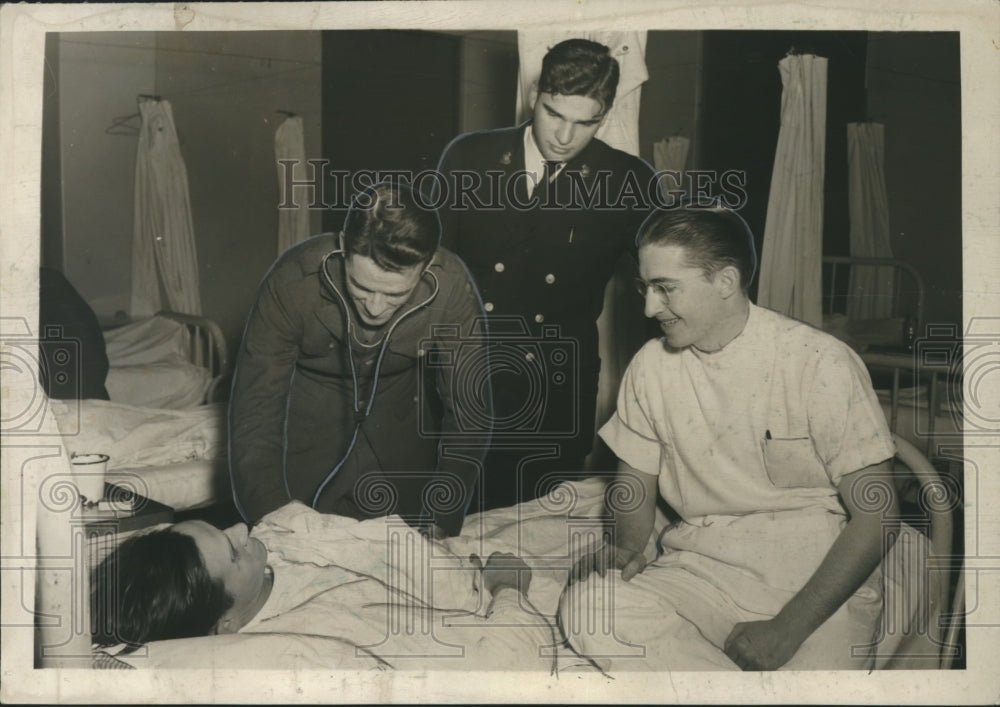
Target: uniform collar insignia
(505,158)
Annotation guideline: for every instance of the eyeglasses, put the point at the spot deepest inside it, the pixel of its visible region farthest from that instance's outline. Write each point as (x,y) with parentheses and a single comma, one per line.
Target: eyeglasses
(659,289)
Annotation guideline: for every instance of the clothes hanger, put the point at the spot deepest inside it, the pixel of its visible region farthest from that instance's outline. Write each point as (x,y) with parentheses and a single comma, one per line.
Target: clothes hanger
(129,124)
(124,125)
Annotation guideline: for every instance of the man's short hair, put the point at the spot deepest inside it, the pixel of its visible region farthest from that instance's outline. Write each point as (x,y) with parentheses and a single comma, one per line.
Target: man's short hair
(580,67)
(154,587)
(387,224)
(712,236)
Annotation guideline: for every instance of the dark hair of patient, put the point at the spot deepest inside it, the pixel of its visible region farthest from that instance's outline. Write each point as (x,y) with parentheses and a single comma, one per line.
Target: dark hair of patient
(580,67)
(385,223)
(713,237)
(154,587)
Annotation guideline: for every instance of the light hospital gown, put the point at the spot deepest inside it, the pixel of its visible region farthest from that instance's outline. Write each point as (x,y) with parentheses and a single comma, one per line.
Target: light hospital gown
(374,588)
(748,444)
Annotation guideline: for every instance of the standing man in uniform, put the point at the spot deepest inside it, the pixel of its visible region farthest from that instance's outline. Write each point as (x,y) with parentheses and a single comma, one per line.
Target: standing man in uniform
(541,213)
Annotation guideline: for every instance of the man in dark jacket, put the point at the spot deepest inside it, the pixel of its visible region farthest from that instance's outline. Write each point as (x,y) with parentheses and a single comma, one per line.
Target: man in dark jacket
(541,213)
(348,393)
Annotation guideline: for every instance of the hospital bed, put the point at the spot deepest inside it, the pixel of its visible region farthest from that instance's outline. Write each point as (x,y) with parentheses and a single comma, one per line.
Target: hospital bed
(544,532)
(915,368)
(549,534)
(164,427)
(849,286)
(170,360)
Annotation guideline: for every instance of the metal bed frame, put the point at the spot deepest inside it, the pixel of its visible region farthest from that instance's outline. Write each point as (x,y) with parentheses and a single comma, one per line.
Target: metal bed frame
(835,292)
(206,348)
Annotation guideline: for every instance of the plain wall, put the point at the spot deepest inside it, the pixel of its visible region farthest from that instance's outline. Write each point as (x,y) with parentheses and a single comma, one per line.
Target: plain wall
(671,97)
(487,80)
(100,75)
(914,89)
(226,89)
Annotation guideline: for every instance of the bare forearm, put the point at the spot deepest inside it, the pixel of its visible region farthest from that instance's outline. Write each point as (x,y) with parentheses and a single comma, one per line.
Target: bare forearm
(632,499)
(851,559)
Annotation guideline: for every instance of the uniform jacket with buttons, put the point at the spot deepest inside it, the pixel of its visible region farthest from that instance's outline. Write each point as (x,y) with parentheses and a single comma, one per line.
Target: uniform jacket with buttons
(292,417)
(546,263)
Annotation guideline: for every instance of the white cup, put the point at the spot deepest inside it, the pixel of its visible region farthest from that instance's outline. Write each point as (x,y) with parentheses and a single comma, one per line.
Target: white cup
(88,475)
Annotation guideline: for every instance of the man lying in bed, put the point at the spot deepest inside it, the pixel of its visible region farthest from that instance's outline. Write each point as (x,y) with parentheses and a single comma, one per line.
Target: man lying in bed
(305,574)
(750,425)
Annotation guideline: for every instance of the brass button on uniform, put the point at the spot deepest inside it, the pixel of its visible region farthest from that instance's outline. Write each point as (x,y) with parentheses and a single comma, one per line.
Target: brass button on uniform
(499,267)
(488,306)
(539,318)
(550,278)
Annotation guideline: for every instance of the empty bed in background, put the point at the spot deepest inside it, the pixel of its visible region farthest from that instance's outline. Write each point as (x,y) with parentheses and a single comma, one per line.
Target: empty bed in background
(892,321)
(162,429)
(170,360)
(916,373)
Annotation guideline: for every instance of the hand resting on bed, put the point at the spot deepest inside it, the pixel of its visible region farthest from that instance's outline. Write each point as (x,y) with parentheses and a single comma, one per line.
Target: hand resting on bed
(503,570)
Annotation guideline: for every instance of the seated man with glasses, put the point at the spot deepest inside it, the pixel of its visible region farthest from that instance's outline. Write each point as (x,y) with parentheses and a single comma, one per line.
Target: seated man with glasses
(764,435)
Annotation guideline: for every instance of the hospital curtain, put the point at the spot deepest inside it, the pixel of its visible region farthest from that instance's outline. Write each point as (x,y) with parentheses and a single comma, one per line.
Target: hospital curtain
(791,258)
(871,287)
(670,153)
(620,326)
(293,208)
(621,127)
(163,248)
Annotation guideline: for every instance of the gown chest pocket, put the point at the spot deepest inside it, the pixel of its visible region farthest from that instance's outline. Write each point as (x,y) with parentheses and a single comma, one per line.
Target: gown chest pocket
(791,462)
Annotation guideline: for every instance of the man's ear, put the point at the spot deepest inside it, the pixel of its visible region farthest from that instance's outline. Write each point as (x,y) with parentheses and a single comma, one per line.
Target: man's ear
(533,95)
(728,281)
(340,240)
(227,624)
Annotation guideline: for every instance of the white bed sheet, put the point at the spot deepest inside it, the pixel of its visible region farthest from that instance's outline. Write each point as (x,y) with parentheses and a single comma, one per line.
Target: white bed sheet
(172,383)
(176,457)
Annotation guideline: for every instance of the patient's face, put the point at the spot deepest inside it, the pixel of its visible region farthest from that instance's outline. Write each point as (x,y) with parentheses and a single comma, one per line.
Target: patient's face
(378,293)
(231,556)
